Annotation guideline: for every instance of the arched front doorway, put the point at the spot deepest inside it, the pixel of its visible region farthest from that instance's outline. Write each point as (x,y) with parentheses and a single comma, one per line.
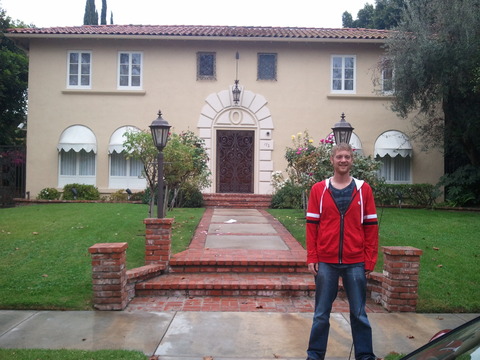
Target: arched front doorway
(239,142)
(235,161)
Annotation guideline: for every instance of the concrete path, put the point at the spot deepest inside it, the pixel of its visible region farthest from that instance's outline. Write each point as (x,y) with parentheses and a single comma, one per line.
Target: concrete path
(221,335)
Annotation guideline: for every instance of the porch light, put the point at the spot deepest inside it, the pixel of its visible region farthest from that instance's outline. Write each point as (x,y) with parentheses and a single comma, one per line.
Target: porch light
(342,131)
(160,130)
(236,93)
(236,90)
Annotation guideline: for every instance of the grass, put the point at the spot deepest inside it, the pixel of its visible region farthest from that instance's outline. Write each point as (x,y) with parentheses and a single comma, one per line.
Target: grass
(44,259)
(449,267)
(45,264)
(40,354)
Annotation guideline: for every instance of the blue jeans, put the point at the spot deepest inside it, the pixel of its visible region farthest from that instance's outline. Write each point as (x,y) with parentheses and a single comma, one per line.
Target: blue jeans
(355,284)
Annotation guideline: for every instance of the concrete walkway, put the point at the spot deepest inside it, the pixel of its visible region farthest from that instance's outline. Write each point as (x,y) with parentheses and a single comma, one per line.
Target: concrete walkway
(221,335)
(258,333)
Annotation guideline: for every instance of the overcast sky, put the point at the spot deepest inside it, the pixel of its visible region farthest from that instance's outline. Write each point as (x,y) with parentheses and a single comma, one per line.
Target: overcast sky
(296,13)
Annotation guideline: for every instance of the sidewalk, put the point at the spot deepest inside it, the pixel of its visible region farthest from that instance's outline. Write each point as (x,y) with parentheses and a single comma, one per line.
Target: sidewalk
(221,335)
(171,329)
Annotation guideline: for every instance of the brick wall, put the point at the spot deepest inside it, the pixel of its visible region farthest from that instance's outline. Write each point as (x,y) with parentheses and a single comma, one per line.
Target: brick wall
(113,285)
(109,276)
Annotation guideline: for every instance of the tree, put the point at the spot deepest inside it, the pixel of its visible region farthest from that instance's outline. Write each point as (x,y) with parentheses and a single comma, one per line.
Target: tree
(185,163)
(13,85)
(436,59)
(91,15)
(347,20)
(111,18)
(386,14)
(103,17)
(139,145)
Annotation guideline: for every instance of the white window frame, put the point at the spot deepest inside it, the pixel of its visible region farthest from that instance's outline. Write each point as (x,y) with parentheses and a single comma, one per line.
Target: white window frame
(79,70)
(343,78)
(391,176)
(129,86)
(125,181)
(76,178)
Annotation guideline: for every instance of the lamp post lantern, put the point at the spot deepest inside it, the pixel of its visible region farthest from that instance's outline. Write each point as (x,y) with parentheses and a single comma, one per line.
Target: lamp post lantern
(160,131)
(342,131)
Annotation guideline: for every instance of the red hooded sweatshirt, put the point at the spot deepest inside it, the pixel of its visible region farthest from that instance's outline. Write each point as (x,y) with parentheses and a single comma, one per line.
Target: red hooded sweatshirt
(336,239)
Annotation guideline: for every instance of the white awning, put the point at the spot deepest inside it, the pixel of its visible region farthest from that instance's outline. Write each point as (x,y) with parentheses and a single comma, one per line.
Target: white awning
(78,138)
(118,138)
(393,143)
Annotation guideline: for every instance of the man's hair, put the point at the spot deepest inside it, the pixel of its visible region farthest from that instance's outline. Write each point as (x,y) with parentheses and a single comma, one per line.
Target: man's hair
(341,147)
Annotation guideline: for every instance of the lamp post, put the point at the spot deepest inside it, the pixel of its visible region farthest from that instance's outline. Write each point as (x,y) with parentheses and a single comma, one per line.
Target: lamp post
(342,131)
(160,130)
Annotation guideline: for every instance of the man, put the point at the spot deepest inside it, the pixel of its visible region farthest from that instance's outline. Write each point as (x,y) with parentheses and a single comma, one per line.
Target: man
(342,240)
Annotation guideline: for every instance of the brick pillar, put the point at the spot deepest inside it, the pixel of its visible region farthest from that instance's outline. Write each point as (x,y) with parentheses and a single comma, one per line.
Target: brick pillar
(401,265)
(109,276)
(158,241)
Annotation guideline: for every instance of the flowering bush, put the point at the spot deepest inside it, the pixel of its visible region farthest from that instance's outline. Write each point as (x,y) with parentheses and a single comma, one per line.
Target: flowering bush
(308,164)
(48,194)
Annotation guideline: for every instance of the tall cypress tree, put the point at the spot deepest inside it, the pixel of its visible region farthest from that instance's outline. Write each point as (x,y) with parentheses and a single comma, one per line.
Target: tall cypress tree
(111,17)
(103,17)
(91,16)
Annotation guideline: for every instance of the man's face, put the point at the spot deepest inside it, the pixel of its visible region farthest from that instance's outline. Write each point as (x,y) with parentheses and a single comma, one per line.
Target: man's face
(342,162)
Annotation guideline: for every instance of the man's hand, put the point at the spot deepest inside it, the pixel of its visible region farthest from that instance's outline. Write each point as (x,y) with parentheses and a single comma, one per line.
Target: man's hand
(313,268)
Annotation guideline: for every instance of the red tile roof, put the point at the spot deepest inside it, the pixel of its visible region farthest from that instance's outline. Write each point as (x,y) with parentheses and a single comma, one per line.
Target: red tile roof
(209,31)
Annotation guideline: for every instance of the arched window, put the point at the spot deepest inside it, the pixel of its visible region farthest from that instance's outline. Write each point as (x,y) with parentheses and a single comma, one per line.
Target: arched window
(77,156)
(125,172)
(394,150)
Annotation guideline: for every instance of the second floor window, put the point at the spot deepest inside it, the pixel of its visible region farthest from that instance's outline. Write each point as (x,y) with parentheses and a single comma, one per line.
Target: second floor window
(267,67)
(79,69)
(387,77)
(206,67)
(343,74)
(130,70)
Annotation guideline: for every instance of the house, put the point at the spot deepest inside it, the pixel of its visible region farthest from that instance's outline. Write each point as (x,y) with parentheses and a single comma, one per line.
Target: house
(88,85)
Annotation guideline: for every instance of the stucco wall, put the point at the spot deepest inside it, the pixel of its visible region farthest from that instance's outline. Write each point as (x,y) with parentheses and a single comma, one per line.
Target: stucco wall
(299,100)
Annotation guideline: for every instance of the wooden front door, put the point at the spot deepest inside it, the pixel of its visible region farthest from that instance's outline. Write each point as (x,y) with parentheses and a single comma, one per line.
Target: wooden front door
(235,155)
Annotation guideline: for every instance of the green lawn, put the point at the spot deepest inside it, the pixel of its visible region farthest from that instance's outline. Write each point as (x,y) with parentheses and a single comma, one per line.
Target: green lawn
(44,259)
(41,354)
(45,264)
(450,240)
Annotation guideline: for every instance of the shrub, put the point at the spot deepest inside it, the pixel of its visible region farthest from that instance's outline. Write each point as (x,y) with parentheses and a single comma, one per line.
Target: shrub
(48,194)
(289,196)
(189,197)
(138,196)
(119,196)
(462,187)
(421,195)
(83,192)
(308,164)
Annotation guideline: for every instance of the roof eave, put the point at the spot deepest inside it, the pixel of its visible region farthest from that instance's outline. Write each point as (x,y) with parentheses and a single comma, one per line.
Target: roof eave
(28,37)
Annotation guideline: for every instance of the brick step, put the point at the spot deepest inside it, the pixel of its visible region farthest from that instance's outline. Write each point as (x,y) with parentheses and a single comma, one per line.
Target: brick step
(229,266)
(228,284)
(233,200)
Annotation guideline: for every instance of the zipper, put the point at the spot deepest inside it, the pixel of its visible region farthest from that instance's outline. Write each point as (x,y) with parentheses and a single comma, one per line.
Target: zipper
(340,245)
(342,227)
